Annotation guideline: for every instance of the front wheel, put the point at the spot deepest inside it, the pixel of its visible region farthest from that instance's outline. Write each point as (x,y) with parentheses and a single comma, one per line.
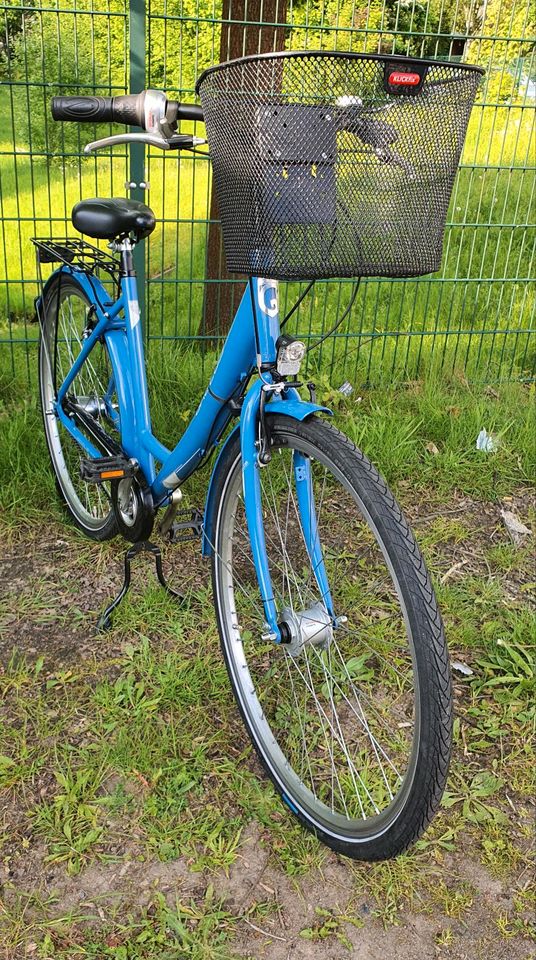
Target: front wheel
(353,727)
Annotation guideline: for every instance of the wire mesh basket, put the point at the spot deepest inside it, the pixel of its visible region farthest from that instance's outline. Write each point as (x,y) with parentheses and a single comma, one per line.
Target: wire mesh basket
(335,164)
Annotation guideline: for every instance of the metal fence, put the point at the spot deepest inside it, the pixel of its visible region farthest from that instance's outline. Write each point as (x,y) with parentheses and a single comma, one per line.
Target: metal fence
(475,315)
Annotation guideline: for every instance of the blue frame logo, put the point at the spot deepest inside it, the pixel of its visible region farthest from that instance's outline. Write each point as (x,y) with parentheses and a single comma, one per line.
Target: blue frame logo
(268,296)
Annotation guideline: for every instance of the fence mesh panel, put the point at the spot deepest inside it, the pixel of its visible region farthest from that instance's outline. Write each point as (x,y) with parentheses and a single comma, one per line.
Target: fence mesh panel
(475,314)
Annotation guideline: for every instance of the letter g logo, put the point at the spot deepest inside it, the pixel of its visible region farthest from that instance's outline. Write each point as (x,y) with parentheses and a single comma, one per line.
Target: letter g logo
(267,296)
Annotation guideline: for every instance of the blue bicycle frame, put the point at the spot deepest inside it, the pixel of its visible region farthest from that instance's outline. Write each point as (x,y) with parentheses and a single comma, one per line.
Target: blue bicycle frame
(251,344)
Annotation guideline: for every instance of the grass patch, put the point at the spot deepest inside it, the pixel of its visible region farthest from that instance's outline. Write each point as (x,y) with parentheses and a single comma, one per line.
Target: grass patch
(200,930)
(126,752)
(394,427)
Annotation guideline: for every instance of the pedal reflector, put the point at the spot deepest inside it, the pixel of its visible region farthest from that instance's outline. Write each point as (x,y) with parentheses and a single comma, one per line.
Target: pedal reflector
(107,468)
(111,474)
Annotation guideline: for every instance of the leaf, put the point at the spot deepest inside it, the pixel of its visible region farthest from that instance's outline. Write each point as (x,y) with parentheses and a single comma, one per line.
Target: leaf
(524,664)
(355,665)
(38,665)
(431,448)
(485,784)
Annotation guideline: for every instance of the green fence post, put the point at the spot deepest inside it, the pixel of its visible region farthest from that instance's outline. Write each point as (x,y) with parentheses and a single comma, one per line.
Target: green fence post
(137,150)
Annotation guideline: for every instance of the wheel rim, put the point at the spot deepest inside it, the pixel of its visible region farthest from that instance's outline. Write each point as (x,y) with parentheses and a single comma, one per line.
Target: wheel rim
(62,339)
(338,729)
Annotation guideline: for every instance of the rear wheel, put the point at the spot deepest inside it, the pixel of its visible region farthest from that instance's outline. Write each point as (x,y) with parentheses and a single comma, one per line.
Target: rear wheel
(65,317)
(352,723)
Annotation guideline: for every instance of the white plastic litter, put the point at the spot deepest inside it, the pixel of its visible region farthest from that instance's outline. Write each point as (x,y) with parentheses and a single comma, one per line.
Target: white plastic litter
(462,668)
(486,442)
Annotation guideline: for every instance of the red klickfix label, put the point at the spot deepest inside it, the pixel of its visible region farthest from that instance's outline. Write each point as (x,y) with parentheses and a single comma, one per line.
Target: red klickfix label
(404,79)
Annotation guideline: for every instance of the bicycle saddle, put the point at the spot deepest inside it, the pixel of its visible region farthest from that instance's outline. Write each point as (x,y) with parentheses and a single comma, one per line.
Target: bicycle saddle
(113,218)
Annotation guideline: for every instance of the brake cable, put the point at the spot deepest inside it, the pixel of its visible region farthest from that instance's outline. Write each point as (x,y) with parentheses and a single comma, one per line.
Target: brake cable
(296,305)
(341,319)
(338,323)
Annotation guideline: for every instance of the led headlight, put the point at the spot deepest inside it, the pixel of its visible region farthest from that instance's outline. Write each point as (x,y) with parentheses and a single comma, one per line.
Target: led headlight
(290,354)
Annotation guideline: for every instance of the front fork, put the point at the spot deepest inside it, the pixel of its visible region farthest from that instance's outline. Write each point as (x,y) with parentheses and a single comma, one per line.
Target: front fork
(251,442)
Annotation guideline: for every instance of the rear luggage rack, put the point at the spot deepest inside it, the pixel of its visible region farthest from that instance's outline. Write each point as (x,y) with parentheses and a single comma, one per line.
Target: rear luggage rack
(76,253)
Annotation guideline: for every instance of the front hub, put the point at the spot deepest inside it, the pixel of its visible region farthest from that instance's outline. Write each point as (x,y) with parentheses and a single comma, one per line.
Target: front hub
(300,628)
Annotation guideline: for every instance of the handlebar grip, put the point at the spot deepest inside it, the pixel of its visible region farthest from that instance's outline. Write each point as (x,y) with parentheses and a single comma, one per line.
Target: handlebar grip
(82,109)
(127,109)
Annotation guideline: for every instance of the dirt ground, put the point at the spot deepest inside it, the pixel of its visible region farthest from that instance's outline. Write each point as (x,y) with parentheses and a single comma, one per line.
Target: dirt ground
(52,587)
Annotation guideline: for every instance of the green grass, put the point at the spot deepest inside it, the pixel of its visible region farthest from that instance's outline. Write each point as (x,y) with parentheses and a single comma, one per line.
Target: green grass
(198,930)
(395,427)
(133,753)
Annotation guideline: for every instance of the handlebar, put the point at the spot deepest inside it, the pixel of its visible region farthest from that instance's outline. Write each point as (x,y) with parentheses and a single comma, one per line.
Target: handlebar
(133,109)
(151,110)
(186,111)
(158,117)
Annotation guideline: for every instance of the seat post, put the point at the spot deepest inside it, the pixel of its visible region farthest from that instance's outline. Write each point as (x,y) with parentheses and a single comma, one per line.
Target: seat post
(125,248)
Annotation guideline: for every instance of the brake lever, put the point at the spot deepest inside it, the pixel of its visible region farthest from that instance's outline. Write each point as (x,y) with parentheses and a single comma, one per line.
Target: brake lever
(185,141)
(152,139)
(176,142)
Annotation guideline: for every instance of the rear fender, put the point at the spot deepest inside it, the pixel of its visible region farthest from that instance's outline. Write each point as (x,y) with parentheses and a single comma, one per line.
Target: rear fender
(93,289)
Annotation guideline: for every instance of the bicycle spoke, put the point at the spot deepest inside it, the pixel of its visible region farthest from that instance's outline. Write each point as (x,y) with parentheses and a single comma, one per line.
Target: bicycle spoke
(63,341)
(337,706)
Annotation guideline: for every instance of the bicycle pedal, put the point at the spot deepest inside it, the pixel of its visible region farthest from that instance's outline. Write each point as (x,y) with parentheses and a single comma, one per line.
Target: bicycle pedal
(101,469)
(178,532)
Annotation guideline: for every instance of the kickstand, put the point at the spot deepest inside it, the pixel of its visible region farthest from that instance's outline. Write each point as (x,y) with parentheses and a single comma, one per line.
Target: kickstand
(144,546)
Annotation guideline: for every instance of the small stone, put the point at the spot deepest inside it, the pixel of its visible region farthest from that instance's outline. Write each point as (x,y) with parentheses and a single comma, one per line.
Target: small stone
(517,530)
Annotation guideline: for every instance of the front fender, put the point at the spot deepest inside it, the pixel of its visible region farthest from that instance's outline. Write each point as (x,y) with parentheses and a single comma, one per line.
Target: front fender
(291,406)
(296,408)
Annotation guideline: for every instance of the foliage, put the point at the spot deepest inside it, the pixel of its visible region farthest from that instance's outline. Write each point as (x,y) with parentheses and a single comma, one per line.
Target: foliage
(500,87)
(180,48)
(50,59)
(505,19)
(57,52)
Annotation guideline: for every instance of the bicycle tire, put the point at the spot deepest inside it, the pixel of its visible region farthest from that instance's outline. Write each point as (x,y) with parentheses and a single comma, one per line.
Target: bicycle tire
(88,506)
(390,831)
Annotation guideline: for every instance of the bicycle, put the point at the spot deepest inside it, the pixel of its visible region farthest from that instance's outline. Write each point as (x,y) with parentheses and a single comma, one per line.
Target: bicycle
(327,617)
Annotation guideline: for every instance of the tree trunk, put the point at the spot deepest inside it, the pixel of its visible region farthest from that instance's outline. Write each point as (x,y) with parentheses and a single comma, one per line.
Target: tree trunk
(237,40)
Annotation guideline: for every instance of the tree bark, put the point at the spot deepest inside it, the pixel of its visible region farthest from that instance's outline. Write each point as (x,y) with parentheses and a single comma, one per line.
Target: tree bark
(237,40)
